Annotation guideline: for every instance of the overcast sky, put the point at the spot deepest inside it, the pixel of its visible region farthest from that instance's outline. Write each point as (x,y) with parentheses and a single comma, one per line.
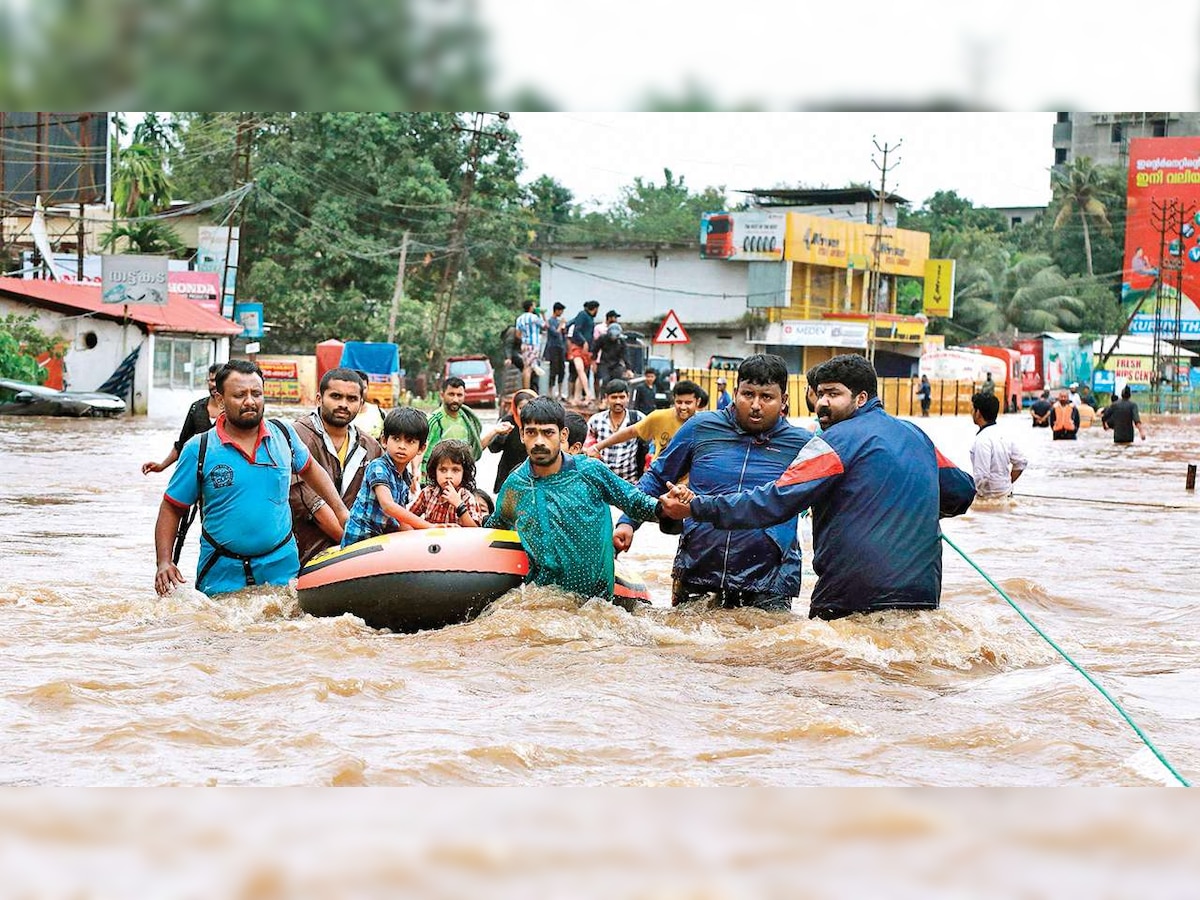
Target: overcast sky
(992,159)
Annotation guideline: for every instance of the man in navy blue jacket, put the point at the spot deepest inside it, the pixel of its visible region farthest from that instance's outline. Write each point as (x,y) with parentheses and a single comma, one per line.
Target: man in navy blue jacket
(877,487)
(746,445)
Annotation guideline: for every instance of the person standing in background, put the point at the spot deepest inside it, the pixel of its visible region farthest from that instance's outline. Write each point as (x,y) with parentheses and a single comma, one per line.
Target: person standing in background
(556,351)
(579,350)
(723,398)
(1064,418)
(530,326)
(1122,417)
(997,463)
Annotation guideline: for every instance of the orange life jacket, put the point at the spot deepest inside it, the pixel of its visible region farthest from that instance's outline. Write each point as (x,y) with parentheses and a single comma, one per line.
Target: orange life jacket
(1063,420)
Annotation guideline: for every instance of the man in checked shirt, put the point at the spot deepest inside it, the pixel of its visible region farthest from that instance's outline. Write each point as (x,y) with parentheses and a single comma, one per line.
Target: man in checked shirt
(621,458)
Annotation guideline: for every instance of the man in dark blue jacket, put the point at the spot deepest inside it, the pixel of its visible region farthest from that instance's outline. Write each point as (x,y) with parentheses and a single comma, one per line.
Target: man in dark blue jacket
(877,487)
(746,445)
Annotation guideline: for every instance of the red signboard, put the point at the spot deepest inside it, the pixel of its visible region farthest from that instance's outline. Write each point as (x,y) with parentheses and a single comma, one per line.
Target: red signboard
(1032,377)
(1162,224)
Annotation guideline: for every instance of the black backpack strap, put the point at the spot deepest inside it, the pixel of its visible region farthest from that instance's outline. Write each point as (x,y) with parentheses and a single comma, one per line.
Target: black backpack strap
(190,516)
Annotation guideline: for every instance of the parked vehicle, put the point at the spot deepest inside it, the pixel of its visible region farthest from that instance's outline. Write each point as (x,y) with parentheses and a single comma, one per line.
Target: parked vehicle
(25,399)
(476,372)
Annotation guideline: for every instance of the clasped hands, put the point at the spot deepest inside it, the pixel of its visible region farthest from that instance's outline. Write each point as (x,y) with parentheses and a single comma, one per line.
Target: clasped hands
(676,502)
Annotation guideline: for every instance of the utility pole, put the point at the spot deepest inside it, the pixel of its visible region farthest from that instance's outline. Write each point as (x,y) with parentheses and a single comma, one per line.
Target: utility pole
(241,175)
(444,297)
(875,280)
(398,293)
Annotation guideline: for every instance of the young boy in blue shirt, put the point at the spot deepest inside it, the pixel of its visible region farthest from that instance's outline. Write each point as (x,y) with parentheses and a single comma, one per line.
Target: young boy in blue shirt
(382,501)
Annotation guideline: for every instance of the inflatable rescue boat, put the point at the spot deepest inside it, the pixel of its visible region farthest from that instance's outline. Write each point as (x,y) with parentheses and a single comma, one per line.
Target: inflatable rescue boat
(418,580)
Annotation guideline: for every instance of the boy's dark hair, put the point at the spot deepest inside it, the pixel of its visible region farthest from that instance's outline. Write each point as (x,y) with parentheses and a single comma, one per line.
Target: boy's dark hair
(988,406)
(849,369)
(457,452)
(591,306)
(1126,393)
(650,370)
(215,368)
(763,369)
(686,387)
(527,305)
(543,411)
(341,373)
(615,386)
(404,421)
(576,429)
(241,366)
(486,499)
(558,305)
(453,381)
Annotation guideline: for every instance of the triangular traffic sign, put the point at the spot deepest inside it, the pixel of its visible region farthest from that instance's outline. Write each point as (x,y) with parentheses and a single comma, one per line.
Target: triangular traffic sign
(671,331)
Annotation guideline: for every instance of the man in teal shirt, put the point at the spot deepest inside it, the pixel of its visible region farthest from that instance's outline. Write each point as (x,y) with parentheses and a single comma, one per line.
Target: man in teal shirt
(559,505)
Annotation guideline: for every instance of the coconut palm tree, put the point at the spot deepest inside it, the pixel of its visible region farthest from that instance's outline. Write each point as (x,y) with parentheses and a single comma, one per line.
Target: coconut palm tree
(1081,188)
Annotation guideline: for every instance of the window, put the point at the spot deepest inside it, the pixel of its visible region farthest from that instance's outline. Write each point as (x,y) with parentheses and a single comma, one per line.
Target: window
(1160,128)
(1117,134)
(181,363)
(1060,156)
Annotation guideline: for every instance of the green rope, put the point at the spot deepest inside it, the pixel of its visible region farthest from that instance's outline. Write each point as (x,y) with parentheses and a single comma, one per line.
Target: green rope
(1078,668)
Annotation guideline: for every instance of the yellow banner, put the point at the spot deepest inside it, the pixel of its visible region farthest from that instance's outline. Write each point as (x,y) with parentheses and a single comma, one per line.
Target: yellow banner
(821,242)
(939,288)
(901,252)
(1134,369)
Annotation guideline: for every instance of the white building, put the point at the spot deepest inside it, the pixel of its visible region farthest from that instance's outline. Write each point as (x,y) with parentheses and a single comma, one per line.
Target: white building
(175,342)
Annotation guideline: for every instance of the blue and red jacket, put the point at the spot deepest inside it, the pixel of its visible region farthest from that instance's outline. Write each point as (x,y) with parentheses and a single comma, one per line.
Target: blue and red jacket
(718,457)
(877,487)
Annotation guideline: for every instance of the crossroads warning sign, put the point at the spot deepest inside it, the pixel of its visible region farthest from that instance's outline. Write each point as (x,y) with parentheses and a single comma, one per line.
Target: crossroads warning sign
(671,331)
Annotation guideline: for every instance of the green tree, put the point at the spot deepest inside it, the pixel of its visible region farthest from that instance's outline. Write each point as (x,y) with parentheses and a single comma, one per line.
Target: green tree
(666,212)
(1081,189)
(21,342)
(141,188)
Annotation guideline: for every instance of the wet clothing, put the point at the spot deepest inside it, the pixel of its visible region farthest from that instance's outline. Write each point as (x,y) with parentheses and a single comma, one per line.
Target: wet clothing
(244,506)
(195,422)
(1038,410)
(1121,418)
(720,458)
(367,518)
(511,449)
(565,524)
(1064,422)
(993,458)
(877,487)
(347,478)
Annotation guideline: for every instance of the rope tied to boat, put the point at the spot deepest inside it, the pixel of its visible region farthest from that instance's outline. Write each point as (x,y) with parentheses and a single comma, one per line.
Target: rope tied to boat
(1078,668)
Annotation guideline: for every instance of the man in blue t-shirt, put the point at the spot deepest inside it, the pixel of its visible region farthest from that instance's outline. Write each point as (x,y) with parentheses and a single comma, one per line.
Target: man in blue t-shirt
(240,473)
(530,326)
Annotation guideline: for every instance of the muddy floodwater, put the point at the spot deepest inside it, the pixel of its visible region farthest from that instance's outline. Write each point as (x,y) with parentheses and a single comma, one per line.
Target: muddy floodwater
(106,684)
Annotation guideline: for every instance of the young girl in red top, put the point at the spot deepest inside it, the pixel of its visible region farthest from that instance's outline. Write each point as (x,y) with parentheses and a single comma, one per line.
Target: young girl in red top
(450,498)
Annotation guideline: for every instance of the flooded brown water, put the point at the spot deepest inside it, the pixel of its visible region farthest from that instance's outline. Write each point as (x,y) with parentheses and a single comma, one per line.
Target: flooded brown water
(106,684)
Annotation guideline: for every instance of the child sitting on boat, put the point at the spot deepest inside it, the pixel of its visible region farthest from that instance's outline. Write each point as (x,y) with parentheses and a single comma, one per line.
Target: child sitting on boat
(450,498)
(381,504)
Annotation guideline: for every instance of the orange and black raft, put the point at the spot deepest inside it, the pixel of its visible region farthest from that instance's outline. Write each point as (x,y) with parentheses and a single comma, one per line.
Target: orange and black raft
(418,580)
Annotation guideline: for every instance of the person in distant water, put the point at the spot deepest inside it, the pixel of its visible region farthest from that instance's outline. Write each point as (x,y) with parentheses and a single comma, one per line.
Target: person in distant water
(201,416)
(925,392)
(580,345)
(1040,410)
(1087,414)
(1064,418)
(997,462)
(450,499)
(530,326)
(1074,394)
(559,504)
(877,487)
(381,506)
(989,386)
(1122,417)
(644,396)
(238,472)
(723,398)
(660,426)
(744,446)
(576,433)
(456,421)
(627,459)
(338,447)
(506,437)
(556,351)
